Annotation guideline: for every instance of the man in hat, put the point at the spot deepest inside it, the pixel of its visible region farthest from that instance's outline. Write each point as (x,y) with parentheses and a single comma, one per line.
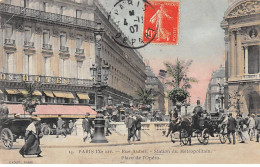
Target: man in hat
(197,112)
(60,127)
(4,111)
(87,124)
(138,126)
(257,127)
(32,139)
(251,126)
(231,128)
(130,125)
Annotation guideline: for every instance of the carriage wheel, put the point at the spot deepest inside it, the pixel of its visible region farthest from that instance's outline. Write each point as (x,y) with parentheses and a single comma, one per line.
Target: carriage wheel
(200,138)
(184,137)
(205,135)
(7,138)
(222,138)
(46,130)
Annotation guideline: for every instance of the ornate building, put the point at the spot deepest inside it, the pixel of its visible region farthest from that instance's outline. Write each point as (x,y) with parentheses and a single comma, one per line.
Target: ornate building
(214,100)
(242,64)
(52,42)
(152,82)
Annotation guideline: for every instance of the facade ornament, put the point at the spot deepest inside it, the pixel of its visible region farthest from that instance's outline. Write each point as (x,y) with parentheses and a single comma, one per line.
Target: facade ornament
(38,30)
(55,32)
(71,34)
(245,9)
(19,26)
(253,33)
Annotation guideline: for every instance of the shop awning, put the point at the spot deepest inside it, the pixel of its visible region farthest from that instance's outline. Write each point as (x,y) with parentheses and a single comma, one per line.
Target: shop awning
(37,93)
(12,91)
(48,93)
(83,96)
(68,95)
(23,91)
(54,110)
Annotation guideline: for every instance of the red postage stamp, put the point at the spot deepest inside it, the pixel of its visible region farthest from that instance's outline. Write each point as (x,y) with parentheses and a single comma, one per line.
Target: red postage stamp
(161,22)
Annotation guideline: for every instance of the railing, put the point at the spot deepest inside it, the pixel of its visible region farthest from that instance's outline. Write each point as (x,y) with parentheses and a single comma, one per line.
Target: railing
(9,42)
(64,49)
(45,16)
(45,79)
(47,46)
(79,51)
(29,44)
(251,76)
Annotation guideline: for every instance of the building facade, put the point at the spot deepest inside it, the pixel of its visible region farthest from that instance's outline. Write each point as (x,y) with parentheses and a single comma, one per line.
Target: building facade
(52,42)
(152,82)
(242,63)
(214,97)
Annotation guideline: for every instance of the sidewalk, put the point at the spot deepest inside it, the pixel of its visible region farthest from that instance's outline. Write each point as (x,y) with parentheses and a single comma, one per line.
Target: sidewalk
(115,139)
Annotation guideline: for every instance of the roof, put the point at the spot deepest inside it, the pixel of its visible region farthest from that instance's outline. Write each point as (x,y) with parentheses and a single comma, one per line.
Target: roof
(53,109)
(220,73)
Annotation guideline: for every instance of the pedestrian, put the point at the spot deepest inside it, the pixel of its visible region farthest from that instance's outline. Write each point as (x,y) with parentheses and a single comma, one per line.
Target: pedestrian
(130,125)
(71,125)
(107,126)
(242,129)
(32,139)
(231,127)
(257,127)
(4,111)
(251,126)
(60,127)
(138,126)
(87,124)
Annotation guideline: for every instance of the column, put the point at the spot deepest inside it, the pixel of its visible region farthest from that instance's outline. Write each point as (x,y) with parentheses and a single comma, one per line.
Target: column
(232,55)
(240,54)
(246,59)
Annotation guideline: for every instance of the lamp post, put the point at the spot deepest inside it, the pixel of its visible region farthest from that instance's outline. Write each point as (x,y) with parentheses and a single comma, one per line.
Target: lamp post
(100,74)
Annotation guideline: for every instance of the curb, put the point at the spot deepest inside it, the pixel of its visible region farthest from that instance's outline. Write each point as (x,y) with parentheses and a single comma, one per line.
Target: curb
(104,144)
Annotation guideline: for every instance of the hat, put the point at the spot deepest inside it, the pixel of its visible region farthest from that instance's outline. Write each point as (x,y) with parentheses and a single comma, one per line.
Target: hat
(36,118)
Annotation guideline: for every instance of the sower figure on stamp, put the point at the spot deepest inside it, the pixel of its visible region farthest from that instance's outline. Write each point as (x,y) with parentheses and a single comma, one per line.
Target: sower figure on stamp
(32,139)
(231,128)
(87,124)
(60,127)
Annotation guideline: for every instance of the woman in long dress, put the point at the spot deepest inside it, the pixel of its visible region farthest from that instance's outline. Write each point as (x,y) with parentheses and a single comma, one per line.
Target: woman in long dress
(32,139)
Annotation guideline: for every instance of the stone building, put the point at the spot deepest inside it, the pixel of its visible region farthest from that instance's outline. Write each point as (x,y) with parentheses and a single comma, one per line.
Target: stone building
(214,100)
(52,42)
(152,82)
(242,63)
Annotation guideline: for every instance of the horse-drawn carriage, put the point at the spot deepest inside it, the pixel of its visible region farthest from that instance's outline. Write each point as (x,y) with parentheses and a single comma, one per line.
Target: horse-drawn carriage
(202,128)
(12,129)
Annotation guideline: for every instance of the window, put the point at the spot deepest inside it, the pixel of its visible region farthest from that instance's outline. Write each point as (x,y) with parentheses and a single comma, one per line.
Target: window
(46,37)
(79,69)
(8,31)
(253,59)
(26,3)
(10,63)
(64,67)
(78,14)
(27,34)
(63,39)
(62,10)
(78,42)
(28,64)
(47,66)
(44,6)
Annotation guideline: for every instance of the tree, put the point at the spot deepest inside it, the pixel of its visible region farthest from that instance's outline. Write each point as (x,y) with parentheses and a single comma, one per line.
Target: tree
(30,101)
(180,82)
(144,96)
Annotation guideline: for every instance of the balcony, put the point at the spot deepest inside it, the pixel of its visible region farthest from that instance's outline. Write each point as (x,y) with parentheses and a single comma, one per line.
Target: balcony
(64,49)
(47,46)
(10,42)
(42,16)
(251,77)
(28,44)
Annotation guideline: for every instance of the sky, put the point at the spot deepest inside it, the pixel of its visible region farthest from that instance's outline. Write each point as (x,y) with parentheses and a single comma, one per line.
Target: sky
(200,37)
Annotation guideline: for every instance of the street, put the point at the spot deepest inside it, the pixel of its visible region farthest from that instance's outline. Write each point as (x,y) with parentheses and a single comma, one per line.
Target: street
(163,152)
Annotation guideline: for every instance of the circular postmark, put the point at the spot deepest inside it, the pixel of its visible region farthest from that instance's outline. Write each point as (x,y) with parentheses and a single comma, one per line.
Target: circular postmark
(129,17)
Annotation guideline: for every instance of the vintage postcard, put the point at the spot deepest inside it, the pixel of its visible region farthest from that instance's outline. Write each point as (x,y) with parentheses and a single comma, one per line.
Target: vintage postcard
(129,81)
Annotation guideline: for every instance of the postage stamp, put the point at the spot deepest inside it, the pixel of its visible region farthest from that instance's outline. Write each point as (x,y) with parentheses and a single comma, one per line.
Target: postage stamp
(162,20)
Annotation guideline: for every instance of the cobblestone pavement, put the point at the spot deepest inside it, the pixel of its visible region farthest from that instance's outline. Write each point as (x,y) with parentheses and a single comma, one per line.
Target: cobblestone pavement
(73,150)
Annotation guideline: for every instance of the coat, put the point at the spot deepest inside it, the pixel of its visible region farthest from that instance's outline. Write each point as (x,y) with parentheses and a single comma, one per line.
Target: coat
(232,123)
(138,122)
(251,123)
(87,124)
(257,123)
(129,121)
(60,124)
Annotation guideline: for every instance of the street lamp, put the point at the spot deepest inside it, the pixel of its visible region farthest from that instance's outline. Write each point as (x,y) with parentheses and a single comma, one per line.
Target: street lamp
(100,75)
